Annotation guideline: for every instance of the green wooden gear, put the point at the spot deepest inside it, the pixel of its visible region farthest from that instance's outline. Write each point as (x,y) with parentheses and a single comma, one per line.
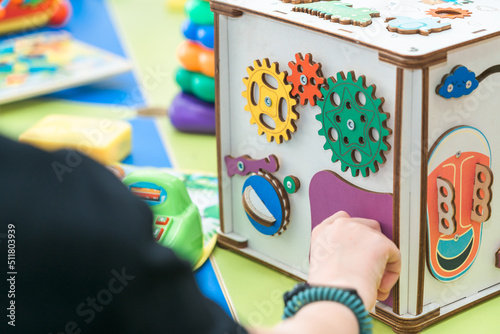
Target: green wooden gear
(353,124)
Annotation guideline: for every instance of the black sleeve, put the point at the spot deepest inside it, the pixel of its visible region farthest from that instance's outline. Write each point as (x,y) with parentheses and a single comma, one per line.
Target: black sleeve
(85,259)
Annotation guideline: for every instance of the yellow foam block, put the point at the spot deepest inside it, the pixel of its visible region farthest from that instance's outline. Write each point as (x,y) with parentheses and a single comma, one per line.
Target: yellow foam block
(105,140)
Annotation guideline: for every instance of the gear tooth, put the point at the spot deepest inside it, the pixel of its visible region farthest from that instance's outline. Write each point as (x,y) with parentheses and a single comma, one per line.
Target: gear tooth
(345,167)
(351,76)
(364,172)
(354,172)
(360,81)
(340,76)
(380,159)
(383,117)
(274,67)
(282,76)
(382,101)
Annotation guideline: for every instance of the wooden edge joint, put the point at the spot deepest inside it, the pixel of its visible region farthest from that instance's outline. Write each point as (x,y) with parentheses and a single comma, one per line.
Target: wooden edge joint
(414,62)
(229,242)
(407,325)
(224,9)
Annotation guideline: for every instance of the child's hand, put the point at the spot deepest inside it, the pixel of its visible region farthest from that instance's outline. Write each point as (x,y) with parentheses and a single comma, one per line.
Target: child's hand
(353,253)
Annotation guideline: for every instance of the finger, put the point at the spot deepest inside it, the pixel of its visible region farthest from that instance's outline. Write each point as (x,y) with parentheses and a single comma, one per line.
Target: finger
(382,296)
(330,220)
(391,272)
(394,259)
(373,224)
(335,216)
(387,282)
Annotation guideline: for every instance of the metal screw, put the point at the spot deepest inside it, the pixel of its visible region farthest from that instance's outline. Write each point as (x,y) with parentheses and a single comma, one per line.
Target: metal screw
(268,101)
(303,79)
(457,155)
(289,185)
(350,124)
(241,166)
(456,237)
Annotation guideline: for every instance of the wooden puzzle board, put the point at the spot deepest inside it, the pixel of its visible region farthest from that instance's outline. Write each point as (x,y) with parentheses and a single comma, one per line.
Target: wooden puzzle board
(239,137)
(477,110)
(241,46)
(45,62)
(482,23)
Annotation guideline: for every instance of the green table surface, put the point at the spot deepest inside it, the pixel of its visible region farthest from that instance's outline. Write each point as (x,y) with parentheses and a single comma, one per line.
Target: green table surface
(151,34)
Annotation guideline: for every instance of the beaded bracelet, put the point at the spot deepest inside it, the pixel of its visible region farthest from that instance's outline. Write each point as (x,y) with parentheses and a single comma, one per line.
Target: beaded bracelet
(303,294)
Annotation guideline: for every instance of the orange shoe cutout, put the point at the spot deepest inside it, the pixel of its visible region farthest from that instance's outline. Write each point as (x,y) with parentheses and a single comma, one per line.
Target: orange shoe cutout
(458,201)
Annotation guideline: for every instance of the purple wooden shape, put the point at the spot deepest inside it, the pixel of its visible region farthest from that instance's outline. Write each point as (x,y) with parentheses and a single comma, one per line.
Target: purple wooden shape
(250,165)
(189,114)
(329,193)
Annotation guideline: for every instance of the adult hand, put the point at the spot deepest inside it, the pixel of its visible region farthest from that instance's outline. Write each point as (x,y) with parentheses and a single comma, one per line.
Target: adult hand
(353,253)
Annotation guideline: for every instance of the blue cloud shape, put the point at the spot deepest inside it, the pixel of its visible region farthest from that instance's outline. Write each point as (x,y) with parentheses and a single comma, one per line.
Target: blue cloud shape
(458,83)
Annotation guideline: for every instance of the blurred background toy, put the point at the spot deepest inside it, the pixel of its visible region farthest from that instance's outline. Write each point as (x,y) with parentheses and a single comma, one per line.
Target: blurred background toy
(193,109)
(176,5)
(21,15)
(49,61)
(176,219)
(105,140)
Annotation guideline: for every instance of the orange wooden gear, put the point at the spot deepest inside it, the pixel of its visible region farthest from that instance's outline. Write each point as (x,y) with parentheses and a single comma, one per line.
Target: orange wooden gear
(306,79)
(196,58)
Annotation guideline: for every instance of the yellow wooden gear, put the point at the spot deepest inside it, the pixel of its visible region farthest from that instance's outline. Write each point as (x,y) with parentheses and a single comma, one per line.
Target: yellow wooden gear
(266,102)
